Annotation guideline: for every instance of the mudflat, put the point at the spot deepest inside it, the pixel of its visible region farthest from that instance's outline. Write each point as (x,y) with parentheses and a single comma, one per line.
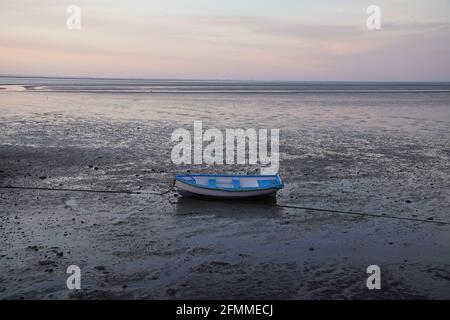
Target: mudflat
(381,153)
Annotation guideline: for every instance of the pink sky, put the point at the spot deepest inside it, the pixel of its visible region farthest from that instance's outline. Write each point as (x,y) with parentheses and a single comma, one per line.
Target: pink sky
(278,40)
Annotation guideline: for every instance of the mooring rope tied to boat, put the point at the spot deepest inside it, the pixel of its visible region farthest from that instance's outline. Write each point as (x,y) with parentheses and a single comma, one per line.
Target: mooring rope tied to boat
(89,190)
(363,214)
(288,206)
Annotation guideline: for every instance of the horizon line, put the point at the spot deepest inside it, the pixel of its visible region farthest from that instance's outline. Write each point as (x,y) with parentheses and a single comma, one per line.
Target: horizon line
(210,79)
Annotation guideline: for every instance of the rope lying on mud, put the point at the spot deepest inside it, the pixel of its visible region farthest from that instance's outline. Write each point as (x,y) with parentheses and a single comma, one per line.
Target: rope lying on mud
(429,220)
(89,190)
(363,214)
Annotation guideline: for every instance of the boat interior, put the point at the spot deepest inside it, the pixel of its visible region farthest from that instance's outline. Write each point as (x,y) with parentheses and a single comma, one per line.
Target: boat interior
(233,182)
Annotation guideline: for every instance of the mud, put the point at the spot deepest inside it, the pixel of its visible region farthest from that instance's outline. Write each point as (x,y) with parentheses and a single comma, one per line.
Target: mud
(379,160)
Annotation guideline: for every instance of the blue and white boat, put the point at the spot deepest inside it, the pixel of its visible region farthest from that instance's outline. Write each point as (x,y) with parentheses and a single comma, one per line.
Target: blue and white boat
(227,185)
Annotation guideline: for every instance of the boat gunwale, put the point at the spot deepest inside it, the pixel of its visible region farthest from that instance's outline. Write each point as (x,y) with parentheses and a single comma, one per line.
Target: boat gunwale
(279,186)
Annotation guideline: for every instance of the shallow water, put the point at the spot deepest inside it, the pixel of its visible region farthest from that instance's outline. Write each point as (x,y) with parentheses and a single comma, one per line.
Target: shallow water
(380,148)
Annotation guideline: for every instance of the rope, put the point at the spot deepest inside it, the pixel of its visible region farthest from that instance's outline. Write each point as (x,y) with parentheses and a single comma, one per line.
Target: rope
(363,214)
(89,190)
(277,205)
(170,189)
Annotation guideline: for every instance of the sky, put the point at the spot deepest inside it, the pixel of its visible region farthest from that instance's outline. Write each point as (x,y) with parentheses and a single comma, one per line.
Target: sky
(231,39)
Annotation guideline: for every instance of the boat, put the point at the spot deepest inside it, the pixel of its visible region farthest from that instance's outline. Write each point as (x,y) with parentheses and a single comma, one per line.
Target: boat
(227,185)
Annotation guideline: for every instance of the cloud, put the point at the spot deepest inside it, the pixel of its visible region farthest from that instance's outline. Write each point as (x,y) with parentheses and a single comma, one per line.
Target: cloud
(225,46)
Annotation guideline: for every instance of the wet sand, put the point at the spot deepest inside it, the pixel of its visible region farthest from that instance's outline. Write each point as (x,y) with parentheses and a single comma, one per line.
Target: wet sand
(350,152)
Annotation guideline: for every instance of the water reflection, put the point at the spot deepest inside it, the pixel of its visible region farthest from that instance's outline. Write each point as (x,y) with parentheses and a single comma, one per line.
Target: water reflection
(256,207)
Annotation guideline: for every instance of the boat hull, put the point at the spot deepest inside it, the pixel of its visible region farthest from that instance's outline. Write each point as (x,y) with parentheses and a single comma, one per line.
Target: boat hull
(188,190)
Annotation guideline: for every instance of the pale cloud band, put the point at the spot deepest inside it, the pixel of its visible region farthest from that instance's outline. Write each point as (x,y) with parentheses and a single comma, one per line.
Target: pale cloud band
(238,40)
